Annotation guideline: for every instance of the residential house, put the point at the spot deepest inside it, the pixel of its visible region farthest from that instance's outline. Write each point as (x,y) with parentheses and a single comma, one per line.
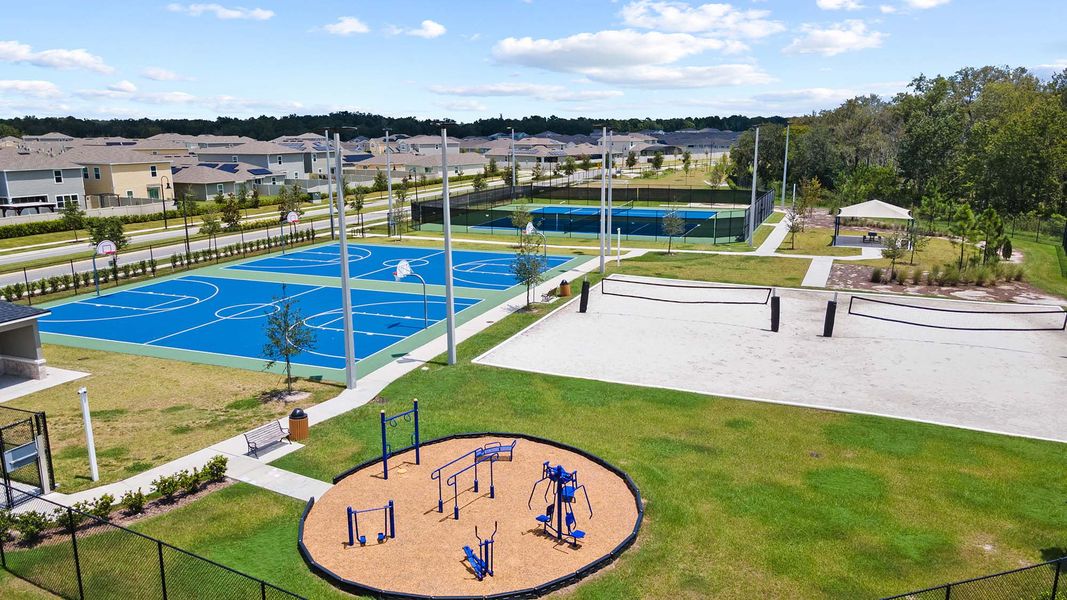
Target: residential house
(431,144)
(35,182)
(48,137)
(416,165)
(203,181)
(284,161)
(10,141)
(117,171)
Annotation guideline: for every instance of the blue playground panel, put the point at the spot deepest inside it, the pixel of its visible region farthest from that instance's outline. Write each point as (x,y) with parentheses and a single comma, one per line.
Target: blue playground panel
(586,219)
(482,270)
(227,317)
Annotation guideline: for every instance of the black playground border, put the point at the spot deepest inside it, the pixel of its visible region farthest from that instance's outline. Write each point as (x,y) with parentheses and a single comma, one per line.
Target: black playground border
(354,587)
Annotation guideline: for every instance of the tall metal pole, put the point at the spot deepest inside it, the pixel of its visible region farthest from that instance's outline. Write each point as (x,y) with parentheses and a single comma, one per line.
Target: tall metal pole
(603,194)
(514,167)
(329,182)
(346,296)
(163,198)
(450,309)
(389,182)
(611,169)
(752,202)
(83,395)
(785,168)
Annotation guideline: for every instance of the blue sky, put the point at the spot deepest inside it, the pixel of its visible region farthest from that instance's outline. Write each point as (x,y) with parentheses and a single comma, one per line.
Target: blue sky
(469,59)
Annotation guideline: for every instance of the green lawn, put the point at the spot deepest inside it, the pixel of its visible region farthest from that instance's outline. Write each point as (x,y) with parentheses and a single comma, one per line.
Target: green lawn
(815,241)
(756,270)
(1046,266)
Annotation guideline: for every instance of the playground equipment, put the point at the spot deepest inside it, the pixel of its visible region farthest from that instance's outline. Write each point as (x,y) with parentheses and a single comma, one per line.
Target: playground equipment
(560,510)
(388,529)
(483,562)
(394,421)
(489,452)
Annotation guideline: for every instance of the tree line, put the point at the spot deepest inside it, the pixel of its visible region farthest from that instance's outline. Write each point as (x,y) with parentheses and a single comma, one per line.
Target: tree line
(990,137)
(367,124)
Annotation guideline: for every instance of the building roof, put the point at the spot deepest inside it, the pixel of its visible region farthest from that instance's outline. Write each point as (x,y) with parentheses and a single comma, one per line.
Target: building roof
(303,137)
(111,155)
(405,159)
(51,136)
(875,209)
(13,160)
(208,173)
(254,147)
(10,311)
(429,139)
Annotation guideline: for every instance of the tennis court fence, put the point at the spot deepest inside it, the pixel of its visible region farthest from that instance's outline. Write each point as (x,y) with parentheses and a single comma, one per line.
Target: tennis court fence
(639,213)
(1045,581)
(78,556)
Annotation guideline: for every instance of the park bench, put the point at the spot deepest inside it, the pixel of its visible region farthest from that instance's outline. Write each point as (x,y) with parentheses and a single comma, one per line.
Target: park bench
(261,437)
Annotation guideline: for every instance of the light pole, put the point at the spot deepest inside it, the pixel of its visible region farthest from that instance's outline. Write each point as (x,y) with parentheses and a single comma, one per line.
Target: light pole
(346,295)
(450,309)
(163,197)
(752,202)
(389,183)
(185,217)
(611,175)
(514,167)
(329,181)
(603,192)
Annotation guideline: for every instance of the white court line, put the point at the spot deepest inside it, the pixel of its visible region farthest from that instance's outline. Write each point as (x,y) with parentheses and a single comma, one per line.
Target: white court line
(171,301)
(361,276)
(150,342)
(118,306)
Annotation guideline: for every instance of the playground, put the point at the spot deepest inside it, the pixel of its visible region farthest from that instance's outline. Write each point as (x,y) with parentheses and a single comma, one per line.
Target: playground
(546,516)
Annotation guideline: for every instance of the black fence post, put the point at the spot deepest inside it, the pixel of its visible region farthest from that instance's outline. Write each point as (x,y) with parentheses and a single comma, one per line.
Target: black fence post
(3,557)
(262,590)
(74,276)
(1055,579)
(74,545)
(776,312)
(831,314)
(162,570)
(583,304)
(948,591)
(29,290)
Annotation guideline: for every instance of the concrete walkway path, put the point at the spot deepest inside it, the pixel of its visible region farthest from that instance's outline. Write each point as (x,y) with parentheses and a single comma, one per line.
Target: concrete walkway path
(770,245)
(818,272)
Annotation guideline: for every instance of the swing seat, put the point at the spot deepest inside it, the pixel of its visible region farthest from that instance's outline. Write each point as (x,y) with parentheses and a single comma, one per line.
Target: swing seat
(543,518)
(568,493)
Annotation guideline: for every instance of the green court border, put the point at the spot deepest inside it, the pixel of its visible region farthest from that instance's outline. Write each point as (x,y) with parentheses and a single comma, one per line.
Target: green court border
(490,299)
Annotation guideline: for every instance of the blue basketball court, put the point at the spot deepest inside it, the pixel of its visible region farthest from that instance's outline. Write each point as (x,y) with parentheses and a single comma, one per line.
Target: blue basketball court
(226,317)
(471,269)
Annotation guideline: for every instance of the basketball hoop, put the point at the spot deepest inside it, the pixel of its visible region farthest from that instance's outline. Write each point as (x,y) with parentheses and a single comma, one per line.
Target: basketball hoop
(292,217)
(106,248)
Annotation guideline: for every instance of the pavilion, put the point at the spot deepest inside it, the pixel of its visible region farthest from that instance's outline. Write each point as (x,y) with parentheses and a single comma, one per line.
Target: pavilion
(872,209)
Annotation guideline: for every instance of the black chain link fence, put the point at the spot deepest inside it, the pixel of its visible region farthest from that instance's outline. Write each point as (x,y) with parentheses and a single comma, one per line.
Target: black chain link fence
(1045,581)
(26,453)
(78,556)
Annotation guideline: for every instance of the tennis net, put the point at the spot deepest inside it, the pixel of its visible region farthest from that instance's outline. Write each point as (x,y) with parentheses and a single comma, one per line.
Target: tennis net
(683,292)
(941,315)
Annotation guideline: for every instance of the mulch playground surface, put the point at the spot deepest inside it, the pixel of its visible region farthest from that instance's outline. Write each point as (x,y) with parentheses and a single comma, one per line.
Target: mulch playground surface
(426,557)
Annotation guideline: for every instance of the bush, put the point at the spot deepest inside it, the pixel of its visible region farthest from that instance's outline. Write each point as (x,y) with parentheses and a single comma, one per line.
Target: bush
(102,506)
(31,524)
(133,502)
(876,275)
(87,279)
(189,480)
(126,269)
(166,486)
(916,276)
(950,276)
(153,264)
(7,522)
(215,469)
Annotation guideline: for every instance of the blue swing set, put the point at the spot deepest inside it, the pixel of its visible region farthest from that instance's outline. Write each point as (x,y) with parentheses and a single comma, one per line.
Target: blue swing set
(388,529)
(394,421)
(482,563)
(558,519)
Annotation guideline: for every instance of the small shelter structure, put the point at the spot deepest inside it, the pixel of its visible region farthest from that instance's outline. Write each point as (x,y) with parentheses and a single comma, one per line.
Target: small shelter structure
(872,209)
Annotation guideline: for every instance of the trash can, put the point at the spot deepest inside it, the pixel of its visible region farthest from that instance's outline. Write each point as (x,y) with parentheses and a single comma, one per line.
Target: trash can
(564,288)
(298,425)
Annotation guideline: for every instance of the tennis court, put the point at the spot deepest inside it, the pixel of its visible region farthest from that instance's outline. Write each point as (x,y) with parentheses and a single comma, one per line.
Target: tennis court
(470,269)
(631,221)
(979,365)
(226,317)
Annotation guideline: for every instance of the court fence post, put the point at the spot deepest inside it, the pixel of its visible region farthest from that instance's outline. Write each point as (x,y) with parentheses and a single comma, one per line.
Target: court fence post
(29,290)
(831,314)
(74,276)
(776,311)
(583,304)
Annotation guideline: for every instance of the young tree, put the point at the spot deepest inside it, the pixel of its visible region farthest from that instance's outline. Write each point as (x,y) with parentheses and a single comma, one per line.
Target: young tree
(210,225)
(478,183)
(357,199)
(529,264)
(962,228)
(108,228)
(399,215)
(538,171)
(673,225)
(917,240)
(287,335)
(254,201)
(381,182)
(796,221)
(520,217)
(491,168)
(631,159)
(556,169)
(811,193)
(990,229)
(585,163)
(569,167)
(242,195)
(687,163)
(657,160)
(231,212)
(505,175)
(73,217)
(894,247)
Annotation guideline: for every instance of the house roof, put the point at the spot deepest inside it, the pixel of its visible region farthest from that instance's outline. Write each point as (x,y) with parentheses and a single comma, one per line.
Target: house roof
(429,139)
(254,147)
(13,160)
(875,209)
(49,137)
(10,311)
(309,137)
(208,173)
(111,155)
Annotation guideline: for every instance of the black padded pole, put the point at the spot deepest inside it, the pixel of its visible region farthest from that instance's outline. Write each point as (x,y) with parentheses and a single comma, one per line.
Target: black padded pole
(776,312)
(583,304)
(831,313)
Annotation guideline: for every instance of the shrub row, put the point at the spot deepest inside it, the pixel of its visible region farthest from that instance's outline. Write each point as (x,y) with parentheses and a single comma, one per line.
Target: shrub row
(241,248)
(77,281)
(951,275)
(31,525)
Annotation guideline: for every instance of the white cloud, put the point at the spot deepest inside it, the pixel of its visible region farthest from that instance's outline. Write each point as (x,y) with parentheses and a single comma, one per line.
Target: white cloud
(465,106)
(556,93)
(222,12)
(924,4)
(124,86)
(655,76)
(427,29)
(56,58)
(606,49)
(29,87)
(887,9)
(166,98)
(346,26)
(159,74)
(837,38)
(838,4)
(1050,69)
(680,17)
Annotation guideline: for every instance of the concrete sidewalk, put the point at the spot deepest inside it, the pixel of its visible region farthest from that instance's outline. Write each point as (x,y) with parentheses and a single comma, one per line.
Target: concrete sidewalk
(818,272)
(770,245)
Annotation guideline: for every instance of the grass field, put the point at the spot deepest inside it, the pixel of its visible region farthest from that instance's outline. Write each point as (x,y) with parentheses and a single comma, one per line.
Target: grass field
(815,241)
(756,270)
(147,411)
(1046,266)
